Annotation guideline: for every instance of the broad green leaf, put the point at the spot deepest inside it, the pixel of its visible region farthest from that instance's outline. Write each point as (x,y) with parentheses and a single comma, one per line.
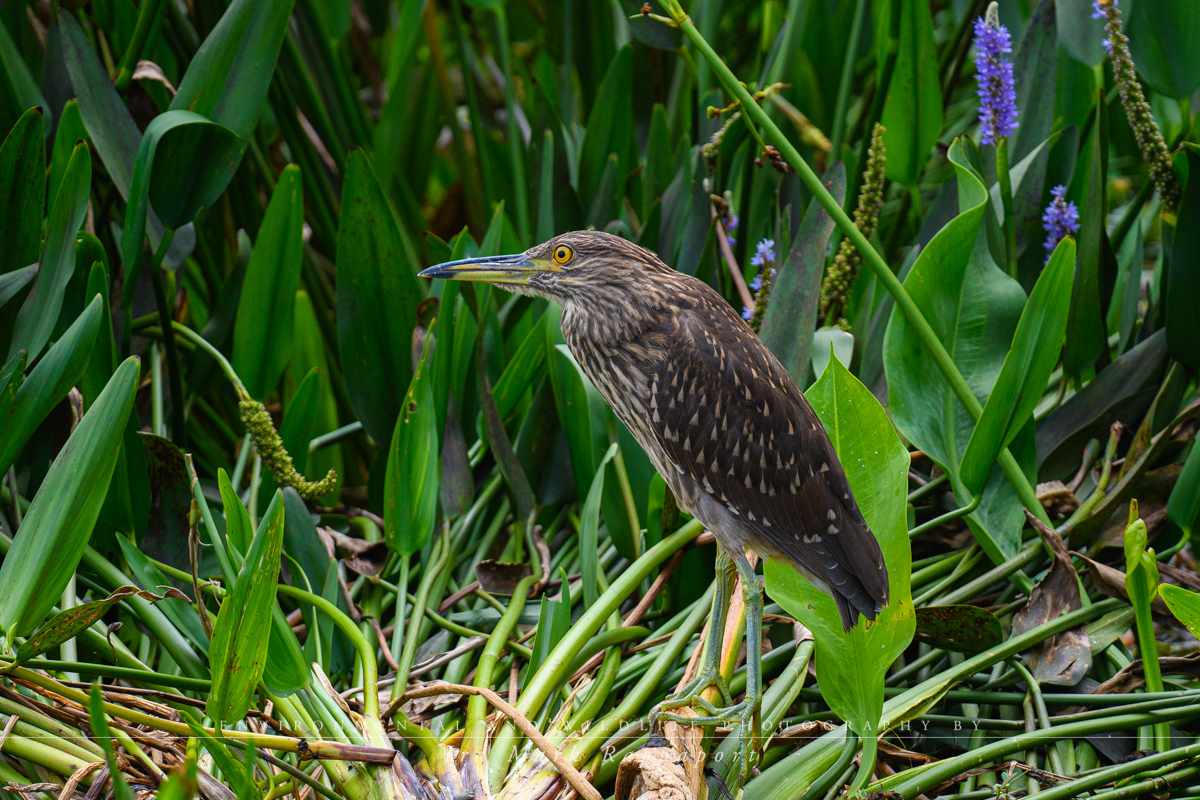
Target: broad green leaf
(22,191)
(238,650)
(1183,507)
(1035,65)
(48,545)
(1182,290)
(961,628)
(179,611)
(18,90)
(40,310)
(377,300)
(1079,33)
(523,371)
(913,111)
(71,131)
(609,128)
(71,622)
(262,336)
(183,163)
(1164,45)
(973,308)
(228,78)
(797,288)
(413,467)
(48,383)
(852,665)
(1184,605)
(1026,369)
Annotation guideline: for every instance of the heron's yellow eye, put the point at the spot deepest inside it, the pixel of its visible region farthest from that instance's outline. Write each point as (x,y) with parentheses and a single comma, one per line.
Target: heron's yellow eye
(563,254)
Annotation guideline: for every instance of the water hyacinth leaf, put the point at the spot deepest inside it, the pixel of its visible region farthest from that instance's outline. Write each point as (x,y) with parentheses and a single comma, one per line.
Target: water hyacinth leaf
(1164,46)
(973,307)
(47,548)
(1182,290)
(179,611)
(1027,367)
(413,467)
(262,335)
(40,310)
(795,291)
(59,369)
(22,191)
(852,665)
(183,163)
(912,114)
(67,624)
(377,298)
(238,650)
(228,78)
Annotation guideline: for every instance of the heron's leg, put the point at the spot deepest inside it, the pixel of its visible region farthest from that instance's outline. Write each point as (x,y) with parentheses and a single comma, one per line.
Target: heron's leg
(752,591)
(709,673)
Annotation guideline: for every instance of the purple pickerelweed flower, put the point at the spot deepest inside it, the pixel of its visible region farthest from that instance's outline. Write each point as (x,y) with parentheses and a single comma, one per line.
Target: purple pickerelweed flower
(997,97)
(1060,219)
(756,284)
(764,252)
(747,313)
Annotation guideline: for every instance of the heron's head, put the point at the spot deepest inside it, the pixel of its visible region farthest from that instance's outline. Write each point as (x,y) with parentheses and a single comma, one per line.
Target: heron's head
(588,268)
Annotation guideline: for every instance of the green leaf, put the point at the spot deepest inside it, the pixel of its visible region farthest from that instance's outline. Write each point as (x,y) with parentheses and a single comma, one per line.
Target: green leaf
(12,374)
(1164,46)
(1079,34)
(48,384)
(413,467)
(797,288)
(1183,507)
(1182,292)
(71,131)
(183,164)
(609,128)
(913,111)
(961,628)
(19,92)
(308,353)
(50,541)
(589,531)
(22,191)
(852,665)
(180,612)
(1184,605)
(1035,65)
(581,411)
(71,622)
(1127,293)
(523,371)
(228,78)
(1027,367)
(377,300)
(238,650)
(973,308)
(38,314)
(1085,325)
(262,336)
(11,283)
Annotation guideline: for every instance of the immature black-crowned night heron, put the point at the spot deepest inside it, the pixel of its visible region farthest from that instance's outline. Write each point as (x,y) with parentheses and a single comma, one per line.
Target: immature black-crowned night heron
(718,415)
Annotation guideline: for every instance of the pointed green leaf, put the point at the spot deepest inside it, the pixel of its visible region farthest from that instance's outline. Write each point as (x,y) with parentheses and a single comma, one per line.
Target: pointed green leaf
(48,545)
(377,301)
(22,191)
(71,131)
(11,283)
(238,651)
(59,369)
(609,128)
(852,665)
(18,90)
(1182,290)
(413,467)
(912,114)
(40,310)
(262,336)
(180,612)
(1164,45)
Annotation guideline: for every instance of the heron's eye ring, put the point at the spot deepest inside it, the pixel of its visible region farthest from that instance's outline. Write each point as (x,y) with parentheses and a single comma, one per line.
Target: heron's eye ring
(563,254)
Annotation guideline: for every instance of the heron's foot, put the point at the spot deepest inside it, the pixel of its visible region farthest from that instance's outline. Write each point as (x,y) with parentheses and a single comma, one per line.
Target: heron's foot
(693,693)
(743,715)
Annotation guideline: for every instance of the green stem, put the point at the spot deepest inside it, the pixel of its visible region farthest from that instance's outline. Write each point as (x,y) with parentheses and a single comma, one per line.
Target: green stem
(883,273)
(439,556)
(866,768)
(149,20)
(174,371)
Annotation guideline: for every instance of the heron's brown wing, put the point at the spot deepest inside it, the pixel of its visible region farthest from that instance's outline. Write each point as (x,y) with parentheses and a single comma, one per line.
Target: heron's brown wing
(730,417)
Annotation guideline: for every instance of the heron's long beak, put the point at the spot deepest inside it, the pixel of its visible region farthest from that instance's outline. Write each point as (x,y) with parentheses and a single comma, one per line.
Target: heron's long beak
(488,269)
